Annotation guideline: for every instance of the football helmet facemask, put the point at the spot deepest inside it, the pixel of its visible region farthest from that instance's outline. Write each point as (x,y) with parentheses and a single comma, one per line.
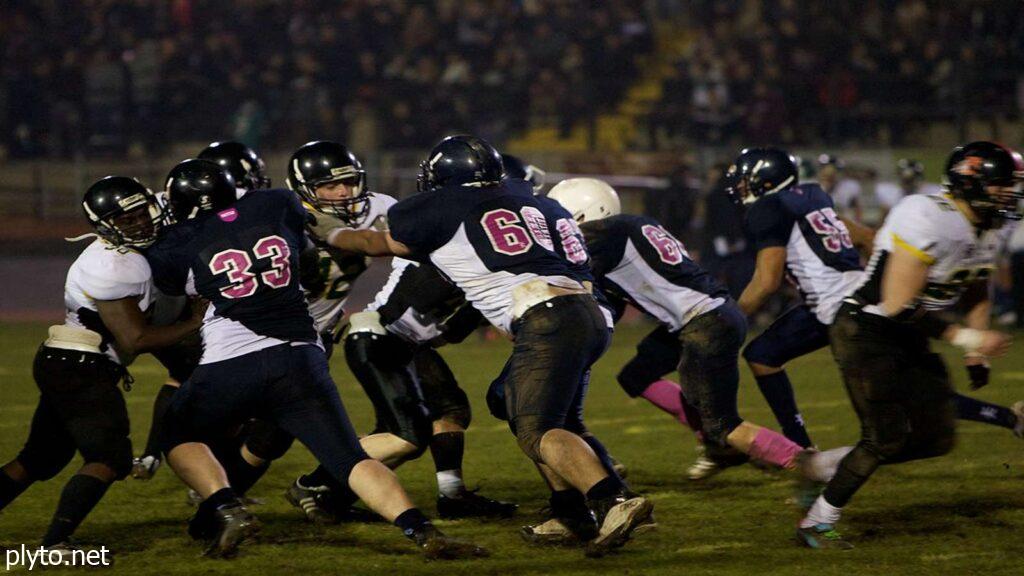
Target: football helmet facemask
(124,212)
(323,162)
(990,178)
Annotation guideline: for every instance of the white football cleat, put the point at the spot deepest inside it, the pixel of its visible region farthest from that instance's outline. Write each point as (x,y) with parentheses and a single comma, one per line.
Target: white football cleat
(703,467)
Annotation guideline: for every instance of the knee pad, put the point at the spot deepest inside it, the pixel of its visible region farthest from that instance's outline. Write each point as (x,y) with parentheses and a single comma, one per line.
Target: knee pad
(45,464)
(496,396)
(266,441)
(529,431)
(455,408)
(656,355)
(381,365)
(635,377)
(348,464)
(441,392)
(759,351)
(890,449)
(115,453)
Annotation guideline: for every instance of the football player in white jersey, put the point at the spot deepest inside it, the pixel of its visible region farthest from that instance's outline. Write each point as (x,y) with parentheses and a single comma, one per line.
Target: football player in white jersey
(932,252)
(107,295)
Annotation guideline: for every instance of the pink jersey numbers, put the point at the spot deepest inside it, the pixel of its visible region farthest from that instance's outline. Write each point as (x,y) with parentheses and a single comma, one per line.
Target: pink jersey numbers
(572,241)
(669,249)
(237,264)
(505,233)
(834,234)
(275,248)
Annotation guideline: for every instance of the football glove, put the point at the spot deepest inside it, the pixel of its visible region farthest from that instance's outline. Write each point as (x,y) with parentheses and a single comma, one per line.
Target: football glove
(978,373)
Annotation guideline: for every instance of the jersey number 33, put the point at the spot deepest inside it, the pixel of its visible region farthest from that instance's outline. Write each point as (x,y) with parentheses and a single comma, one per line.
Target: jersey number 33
(238,264)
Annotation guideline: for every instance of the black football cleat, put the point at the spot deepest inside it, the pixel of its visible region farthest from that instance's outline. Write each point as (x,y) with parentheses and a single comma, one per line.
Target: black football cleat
(437,546)
(469,504)
(236,526)
(312,501)
(203,525)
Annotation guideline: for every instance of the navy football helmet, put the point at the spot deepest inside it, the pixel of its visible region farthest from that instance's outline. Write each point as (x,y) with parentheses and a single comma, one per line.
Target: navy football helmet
(460,161)
(516,168)
(124,212)
(244,164)
(196,186)
(757,172)
(973,168)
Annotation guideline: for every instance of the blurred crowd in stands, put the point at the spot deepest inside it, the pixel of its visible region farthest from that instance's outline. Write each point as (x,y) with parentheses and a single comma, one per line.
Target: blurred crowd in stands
(129,74)
(842,71)
(122,75)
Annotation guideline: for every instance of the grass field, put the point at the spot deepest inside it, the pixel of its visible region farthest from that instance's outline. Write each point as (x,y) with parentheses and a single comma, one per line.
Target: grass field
(961,514)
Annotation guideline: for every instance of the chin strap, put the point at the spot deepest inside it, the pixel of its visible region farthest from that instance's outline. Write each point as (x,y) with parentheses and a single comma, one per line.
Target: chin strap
(81,237)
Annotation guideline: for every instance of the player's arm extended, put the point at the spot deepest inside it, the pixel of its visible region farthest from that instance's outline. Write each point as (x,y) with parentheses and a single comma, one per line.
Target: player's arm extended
(135,335)
(904,278)
(771,266)
(863,236)
(368,242)
(978,317)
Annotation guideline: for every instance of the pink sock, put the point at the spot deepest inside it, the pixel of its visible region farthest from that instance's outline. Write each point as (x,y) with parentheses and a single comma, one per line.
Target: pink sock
(774,448)
(667,395)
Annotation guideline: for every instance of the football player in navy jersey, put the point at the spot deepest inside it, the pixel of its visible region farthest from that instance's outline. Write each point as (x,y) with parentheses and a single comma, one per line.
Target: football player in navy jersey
(492,238)
(249,171)
(262,356)
(793,229)
(701,330)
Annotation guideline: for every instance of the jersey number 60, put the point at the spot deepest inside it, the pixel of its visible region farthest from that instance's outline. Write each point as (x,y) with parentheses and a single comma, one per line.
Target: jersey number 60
(514,234)
(237,263)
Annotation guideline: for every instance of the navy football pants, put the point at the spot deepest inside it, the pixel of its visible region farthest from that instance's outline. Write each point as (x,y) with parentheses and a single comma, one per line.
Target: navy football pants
(287,385)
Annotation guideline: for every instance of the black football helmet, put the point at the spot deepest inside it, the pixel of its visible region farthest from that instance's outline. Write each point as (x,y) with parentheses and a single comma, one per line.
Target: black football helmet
(461,160)
(322,162)
(244,164)
(124,212)
(763,171)
(516,168)
(973,168)
(196,186)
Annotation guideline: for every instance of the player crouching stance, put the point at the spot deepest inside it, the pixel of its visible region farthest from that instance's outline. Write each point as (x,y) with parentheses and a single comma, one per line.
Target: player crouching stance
(108,294)
(262,356)
(931,250)
(496,242)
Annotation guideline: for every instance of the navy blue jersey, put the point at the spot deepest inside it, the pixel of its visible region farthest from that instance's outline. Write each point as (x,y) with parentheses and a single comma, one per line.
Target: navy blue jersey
(635,259)
(489,240)
(820,257)
(245,261)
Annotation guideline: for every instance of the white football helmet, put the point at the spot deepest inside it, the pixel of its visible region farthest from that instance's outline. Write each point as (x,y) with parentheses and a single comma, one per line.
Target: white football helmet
(587,198)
